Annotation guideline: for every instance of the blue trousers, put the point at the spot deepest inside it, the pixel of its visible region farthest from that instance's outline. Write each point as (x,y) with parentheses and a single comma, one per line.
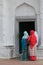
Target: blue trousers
(24,55)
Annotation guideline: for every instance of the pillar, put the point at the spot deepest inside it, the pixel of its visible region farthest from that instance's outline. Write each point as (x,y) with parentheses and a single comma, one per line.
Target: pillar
(41,21)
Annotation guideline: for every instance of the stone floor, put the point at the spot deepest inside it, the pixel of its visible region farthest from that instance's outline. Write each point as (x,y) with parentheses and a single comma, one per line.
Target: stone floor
(18,62)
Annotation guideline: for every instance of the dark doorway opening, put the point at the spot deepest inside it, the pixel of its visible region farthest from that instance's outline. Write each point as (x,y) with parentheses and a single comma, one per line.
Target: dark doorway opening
(25,26)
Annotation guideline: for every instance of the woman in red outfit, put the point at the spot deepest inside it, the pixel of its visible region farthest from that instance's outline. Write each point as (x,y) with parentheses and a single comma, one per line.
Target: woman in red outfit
(32,47)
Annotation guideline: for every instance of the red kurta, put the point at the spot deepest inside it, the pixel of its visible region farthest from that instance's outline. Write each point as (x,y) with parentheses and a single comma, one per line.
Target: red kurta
(32,48)
(32,39)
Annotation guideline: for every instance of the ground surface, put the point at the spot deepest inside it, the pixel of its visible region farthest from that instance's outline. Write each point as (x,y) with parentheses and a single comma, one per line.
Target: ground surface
(18,62)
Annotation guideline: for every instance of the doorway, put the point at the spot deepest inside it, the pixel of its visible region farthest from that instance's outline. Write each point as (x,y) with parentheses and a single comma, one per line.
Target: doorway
(25,26)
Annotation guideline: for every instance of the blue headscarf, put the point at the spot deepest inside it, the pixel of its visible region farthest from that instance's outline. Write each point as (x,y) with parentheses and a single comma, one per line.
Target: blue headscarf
(25,35)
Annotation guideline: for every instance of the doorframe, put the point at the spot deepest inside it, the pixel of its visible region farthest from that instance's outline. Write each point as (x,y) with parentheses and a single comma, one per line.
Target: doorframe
(24,22)
(17,27)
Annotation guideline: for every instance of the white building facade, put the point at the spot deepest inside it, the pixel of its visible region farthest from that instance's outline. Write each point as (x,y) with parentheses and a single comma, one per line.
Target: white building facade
(11,13)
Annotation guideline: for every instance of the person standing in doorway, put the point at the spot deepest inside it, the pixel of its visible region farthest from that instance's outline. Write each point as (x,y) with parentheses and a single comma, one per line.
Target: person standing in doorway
(32,47)
(24,55)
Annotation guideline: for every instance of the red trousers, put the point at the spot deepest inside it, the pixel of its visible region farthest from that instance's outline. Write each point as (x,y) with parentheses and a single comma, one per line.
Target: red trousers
(33,53)
(33,58)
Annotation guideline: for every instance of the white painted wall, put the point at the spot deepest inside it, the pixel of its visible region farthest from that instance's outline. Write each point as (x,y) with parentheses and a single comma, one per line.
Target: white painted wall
(1,21)
(8,30)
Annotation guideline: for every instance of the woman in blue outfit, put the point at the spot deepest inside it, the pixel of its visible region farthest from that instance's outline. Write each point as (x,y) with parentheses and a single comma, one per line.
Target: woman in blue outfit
(24,55)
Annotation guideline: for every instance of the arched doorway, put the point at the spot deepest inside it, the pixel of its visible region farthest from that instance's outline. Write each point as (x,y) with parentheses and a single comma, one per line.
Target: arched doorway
(25,16)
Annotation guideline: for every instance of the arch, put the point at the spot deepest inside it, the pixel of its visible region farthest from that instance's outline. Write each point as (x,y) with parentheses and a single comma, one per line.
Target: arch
(24,4)
(25,10)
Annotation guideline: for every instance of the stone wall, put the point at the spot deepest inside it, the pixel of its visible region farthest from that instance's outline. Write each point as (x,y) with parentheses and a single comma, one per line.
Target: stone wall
(1,21)
(8,23)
